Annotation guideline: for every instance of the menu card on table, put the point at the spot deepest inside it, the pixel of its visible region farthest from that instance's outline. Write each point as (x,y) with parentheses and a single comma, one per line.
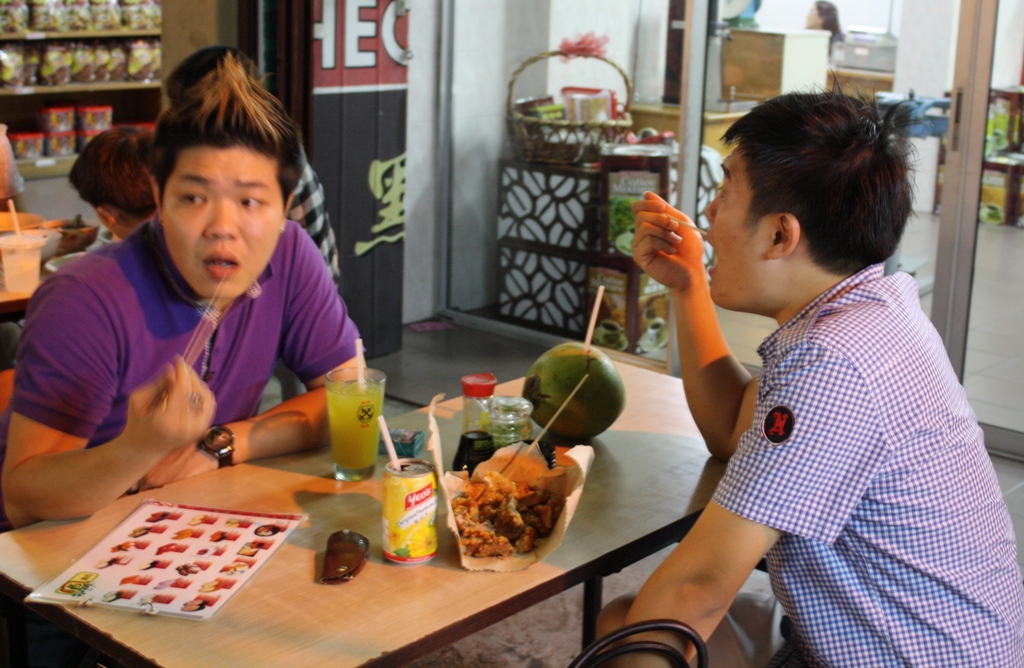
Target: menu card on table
(171,559)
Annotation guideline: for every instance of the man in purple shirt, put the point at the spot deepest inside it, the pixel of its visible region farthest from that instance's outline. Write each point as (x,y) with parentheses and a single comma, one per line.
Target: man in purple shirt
(856,465)
(100,362)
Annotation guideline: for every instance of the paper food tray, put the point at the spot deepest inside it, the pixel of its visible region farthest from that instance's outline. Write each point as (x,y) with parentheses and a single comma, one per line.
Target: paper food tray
(566,478)
(171,559)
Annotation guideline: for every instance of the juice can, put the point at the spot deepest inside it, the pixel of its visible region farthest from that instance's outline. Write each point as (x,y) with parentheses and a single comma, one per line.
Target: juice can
(410,512)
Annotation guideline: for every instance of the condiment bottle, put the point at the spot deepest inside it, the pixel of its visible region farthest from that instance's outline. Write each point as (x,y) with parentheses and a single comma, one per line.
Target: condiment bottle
(476,444)
(510,420)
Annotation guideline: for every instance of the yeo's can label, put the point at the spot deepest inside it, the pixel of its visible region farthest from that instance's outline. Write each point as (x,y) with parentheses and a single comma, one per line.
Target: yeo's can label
(410,512)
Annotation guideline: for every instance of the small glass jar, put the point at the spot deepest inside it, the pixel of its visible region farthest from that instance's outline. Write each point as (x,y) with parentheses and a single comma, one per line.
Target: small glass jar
(510,420)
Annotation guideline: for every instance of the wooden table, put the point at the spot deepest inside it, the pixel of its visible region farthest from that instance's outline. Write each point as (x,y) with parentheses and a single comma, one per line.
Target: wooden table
(651,475)
(13,305)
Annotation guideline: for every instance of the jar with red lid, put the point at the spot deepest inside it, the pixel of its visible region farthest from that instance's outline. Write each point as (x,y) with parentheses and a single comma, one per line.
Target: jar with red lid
(86,136)
(95,117)
(27,145)
(56,119)
(59,143)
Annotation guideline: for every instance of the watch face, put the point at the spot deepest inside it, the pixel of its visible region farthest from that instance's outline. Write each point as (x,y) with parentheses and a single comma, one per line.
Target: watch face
(219,440)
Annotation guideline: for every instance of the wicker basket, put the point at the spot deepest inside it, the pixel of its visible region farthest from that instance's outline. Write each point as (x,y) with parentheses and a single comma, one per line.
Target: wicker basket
(563,141)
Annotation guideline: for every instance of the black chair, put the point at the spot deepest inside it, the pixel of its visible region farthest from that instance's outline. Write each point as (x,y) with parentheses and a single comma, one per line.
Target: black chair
(598,653)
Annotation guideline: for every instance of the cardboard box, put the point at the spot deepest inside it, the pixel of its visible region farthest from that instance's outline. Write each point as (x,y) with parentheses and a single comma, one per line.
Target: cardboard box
(996,204)
(633,315)
(627,172)
(1003,127)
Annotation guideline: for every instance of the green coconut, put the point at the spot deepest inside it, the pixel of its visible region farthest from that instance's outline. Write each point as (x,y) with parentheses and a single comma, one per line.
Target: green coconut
(594,408)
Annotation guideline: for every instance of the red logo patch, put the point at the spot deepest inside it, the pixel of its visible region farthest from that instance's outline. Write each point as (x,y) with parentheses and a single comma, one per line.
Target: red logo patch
(778,424)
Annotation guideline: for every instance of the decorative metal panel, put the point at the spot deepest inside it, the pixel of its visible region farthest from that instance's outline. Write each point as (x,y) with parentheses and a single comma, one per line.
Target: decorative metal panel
(555,206)
(542,290)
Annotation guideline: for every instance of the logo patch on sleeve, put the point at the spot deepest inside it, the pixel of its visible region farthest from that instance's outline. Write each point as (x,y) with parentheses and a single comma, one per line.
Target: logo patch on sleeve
(778,424)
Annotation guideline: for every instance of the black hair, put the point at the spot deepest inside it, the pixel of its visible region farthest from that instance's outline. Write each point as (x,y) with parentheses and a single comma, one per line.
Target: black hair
(191,71)
(838,165)
(228,108)
(113,170)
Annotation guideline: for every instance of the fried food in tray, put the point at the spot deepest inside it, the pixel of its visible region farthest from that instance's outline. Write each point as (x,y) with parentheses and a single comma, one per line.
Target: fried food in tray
(500,517)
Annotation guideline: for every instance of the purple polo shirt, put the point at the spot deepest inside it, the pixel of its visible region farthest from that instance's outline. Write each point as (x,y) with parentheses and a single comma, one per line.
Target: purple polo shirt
(110,321)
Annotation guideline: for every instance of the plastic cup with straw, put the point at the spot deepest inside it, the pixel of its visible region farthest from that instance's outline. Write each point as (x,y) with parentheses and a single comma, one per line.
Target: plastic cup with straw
(21,257)
(355,397)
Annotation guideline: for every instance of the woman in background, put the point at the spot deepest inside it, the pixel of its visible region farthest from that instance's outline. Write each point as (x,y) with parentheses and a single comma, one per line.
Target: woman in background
(825,16)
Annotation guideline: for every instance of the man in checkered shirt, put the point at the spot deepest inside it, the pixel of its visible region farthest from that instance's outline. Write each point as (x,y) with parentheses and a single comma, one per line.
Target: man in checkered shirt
(309,209)
(856,465)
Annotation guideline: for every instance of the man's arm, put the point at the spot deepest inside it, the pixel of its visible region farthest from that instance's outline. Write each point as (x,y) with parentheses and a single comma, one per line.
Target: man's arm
(292,426)
(720,392)
(698,581)
(48,474)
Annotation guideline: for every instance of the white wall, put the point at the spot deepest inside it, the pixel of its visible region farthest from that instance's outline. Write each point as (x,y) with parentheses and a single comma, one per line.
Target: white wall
(924,62)
(791,14)
(491,40)
(420,162)
(1009,48)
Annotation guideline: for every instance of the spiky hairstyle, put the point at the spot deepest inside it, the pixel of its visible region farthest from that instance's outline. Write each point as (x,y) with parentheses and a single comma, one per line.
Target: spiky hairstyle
(228,108)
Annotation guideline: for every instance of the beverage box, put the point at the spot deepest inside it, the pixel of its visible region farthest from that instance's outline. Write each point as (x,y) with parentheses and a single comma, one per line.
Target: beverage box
(633,316)
(1003,127)
(996,204)
(627,171)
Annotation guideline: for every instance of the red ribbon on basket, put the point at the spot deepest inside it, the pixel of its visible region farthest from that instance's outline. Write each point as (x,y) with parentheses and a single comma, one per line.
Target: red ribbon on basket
(584,45)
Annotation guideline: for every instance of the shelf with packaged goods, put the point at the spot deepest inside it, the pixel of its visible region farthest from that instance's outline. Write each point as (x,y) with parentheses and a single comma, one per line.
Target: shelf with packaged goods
(77,34)
(79,88)
(46,167)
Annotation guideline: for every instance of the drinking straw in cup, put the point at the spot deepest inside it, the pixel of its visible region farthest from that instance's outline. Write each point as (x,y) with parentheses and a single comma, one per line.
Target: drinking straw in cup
(21,257)
(353,404)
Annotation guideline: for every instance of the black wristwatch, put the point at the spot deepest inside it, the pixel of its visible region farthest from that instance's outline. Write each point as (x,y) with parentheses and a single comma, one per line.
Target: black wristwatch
(219,441)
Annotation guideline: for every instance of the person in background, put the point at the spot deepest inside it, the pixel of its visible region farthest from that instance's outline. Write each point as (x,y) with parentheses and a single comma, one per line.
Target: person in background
(856,465)
(825,16)
(309,206)
(11,187)
(112,175)
(11,183)
(109,406)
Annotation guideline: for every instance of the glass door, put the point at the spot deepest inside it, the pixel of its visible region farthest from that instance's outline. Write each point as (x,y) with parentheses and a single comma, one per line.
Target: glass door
(748,51)
(978,308)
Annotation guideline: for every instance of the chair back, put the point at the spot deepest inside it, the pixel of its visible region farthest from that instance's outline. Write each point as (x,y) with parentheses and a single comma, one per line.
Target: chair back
(598,652)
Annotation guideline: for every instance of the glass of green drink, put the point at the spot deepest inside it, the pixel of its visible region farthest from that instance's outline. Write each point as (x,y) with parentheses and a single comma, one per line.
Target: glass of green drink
(352,410)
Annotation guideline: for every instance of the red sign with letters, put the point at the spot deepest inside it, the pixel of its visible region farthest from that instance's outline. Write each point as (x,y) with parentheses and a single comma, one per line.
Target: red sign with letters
(359,45)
